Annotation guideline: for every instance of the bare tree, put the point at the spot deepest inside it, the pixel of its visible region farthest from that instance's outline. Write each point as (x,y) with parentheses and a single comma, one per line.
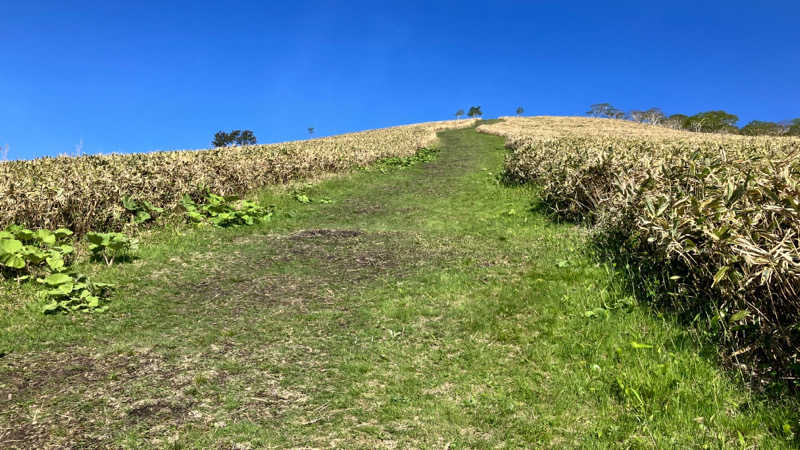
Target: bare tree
(654,116)
(310,131)
(459,113)
(637,116)
(605,110)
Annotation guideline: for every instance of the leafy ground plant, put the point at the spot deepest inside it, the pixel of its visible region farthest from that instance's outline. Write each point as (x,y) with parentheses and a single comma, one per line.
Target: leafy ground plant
(26,253)
(108,246)
(227,211)
(23,251)
(401,162)
(141,211)
(72,292)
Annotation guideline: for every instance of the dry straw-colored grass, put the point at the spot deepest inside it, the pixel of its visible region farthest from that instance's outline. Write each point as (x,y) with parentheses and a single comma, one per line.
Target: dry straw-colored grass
(85,192)
(711,222)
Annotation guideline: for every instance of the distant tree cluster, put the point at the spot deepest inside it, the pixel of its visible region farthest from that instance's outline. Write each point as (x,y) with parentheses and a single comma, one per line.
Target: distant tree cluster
(605,110)
(705,122)
(474,111)
(235,137)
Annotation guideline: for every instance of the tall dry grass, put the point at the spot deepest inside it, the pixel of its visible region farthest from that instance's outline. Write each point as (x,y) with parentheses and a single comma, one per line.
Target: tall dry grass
(85,192)
(710,223)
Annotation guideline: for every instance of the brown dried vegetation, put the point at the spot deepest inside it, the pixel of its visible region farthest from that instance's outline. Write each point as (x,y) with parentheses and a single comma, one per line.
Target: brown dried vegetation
(85,192)
(708,221)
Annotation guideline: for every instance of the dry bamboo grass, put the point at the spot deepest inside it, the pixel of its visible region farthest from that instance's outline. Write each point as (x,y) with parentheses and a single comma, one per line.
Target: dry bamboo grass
(714,218)
(84,193)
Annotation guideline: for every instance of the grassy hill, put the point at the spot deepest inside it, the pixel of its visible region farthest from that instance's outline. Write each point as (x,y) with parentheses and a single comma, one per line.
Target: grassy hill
(420,303)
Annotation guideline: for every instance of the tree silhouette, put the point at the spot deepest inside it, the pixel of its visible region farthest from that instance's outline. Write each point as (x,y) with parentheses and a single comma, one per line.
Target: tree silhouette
(475,111)
(459,113)
(520,110)
(238,137)
(310,131)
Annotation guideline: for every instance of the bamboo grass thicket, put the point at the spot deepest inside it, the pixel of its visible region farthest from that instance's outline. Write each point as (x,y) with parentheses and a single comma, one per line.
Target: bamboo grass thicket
(85,193)
(710,223)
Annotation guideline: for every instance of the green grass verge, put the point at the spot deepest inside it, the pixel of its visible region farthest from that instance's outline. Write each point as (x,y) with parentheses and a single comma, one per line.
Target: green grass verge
(422,307)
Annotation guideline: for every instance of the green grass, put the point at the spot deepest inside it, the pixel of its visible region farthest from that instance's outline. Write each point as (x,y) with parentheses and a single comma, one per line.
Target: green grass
(428,306)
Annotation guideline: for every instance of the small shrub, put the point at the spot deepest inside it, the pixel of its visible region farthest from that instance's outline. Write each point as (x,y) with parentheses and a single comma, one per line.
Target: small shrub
(141,211)
(67,292)
(23,250)
(227,211)
(108,246)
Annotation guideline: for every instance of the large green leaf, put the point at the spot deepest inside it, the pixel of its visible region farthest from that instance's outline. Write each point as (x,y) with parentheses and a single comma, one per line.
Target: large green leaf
(142,216)
(55,262)
(46,237)
(152,208)
(10,246)
(23,234)
(33,255)
(57,279)
(12,261)
(62,233)
(96,238)
(129,204)
(51,307)
(61,289)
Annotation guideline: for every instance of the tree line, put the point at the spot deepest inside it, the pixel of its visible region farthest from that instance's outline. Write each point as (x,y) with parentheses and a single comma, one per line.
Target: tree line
(474,111)
(717,121)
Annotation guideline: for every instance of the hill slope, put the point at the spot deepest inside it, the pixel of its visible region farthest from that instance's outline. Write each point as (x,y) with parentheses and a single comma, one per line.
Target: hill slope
(427,307)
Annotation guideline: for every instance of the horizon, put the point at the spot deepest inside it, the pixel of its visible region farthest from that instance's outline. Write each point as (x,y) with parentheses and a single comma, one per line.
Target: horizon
(140,78)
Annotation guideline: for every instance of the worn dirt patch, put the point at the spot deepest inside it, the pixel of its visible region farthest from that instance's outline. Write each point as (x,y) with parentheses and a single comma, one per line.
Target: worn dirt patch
(312,265)
(326,233)
(45,405)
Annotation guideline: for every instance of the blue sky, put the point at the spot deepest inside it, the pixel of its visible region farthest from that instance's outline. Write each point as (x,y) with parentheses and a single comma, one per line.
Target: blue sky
(139,76)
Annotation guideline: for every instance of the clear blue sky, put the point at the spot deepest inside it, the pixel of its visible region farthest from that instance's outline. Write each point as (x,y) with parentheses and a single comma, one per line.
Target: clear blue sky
(139,76)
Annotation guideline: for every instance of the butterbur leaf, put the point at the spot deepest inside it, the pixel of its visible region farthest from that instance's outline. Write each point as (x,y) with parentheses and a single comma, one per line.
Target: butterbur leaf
(61,289)
(51,307)
(56,279)
(10,246)
(62,233)
(92,301)
(187,203)
(6,235)
(195,216)
(33,254)
(142,216)
(129,204)
(94,238)
(45,237)
(23,234)
(12,261)
(55,262)
(150,207)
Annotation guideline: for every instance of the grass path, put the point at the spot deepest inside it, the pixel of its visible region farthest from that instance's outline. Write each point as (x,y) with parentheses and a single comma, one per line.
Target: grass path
(427,307)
